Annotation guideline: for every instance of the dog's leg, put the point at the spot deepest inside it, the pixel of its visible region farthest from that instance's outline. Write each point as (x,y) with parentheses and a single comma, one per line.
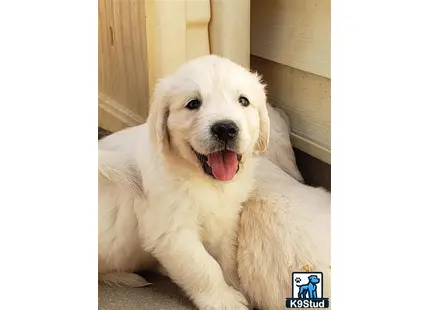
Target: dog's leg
(191,267)
(302,292)
(228,256)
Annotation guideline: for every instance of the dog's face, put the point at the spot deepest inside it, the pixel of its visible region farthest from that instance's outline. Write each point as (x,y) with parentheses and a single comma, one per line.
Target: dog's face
(314,279)
(212,114)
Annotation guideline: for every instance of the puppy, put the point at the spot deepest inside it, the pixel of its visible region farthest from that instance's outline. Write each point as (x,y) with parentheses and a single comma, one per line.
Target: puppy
(284,227)
(194,157)
(280,150)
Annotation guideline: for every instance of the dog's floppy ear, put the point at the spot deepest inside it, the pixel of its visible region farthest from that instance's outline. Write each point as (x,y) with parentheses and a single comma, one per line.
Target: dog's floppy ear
(158,115)
(263,137)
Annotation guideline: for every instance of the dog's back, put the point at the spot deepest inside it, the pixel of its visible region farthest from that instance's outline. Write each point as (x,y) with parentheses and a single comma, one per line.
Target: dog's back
(284,226)
(120,188)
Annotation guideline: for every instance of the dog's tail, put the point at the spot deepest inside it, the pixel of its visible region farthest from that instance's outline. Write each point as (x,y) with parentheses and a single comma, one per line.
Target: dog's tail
(123,171)
(123,279)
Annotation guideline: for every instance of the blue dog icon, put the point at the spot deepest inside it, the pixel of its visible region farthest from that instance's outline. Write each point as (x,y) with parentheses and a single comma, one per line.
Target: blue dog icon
(309,290)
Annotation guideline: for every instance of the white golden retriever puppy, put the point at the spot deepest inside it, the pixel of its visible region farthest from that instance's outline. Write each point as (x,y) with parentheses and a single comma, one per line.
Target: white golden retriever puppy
(193,165)
(280,150)
(285,227)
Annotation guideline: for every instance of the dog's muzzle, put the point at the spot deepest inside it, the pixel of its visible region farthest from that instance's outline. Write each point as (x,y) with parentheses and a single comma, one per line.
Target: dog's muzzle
(222,161)
(225,131)
(221,165)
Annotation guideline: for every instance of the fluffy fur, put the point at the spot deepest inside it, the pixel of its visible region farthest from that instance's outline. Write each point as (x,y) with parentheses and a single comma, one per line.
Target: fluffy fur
(280,150)
(184,219)
(157,206)
(284,227)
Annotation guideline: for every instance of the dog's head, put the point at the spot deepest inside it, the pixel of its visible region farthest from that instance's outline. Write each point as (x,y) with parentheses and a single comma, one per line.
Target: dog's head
(211,113)
(314,279)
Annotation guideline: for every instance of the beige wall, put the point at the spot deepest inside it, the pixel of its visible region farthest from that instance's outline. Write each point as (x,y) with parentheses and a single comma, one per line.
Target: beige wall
(290,47)
(123,78)
(141,41)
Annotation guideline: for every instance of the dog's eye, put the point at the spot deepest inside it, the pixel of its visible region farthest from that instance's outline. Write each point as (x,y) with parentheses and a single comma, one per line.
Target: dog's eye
(243,101)
(193,104)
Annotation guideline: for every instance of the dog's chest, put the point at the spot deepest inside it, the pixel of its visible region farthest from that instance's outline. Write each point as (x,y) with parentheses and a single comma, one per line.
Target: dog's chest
(218,211)
(219,222)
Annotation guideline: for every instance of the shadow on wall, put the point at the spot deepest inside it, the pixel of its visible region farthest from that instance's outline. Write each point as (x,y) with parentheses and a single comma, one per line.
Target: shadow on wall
(314,171)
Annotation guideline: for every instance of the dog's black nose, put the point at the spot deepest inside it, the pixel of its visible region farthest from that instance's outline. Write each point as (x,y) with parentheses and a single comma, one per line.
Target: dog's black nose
(225,130)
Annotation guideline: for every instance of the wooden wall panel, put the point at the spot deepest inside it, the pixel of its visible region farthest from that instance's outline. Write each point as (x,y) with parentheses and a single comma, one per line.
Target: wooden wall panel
(295,33)
(230,30)
(306,98)
(123,77)
(177,32)
(198,16)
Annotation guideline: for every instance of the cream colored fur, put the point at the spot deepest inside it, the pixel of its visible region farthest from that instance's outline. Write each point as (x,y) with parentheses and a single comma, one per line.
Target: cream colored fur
(184,219)
(284,226)
(280,150)
(155,205)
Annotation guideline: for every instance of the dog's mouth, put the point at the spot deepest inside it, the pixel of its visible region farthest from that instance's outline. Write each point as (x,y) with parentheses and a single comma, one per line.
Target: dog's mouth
(221,165)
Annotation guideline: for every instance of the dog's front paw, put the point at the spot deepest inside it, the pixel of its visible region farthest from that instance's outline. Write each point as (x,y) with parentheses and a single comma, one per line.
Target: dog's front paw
(226,299)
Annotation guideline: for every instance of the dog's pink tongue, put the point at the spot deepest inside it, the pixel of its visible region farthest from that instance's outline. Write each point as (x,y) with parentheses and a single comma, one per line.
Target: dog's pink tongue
(223,164)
